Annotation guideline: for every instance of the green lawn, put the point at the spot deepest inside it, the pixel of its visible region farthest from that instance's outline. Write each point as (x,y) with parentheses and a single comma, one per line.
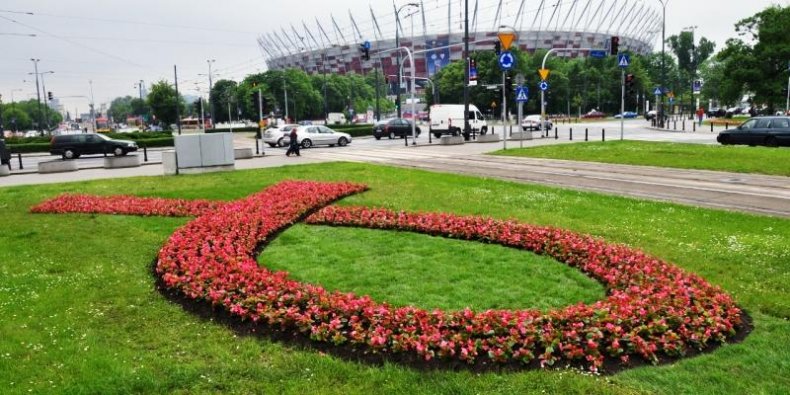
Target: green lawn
(739,159)
(80,313)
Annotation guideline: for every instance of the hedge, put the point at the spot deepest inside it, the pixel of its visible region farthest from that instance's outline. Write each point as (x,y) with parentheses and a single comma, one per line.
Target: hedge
(235,130)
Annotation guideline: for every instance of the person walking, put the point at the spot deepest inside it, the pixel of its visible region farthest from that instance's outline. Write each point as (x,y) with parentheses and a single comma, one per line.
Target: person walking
(700,114)
(293,146)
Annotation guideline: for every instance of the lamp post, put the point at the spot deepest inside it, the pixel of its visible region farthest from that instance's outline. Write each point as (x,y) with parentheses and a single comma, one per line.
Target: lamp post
(693,60)
(210,86)
(38,93)
(467,127)
(93,111)
(397,45)
(663,60)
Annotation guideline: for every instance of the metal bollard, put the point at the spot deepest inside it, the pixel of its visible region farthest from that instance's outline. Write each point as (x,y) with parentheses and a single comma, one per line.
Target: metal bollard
(556,136)
(586,134)
(711,127)
(683,124)
(674,125)
(19,156)
(726,126)
(603,134)
(145,154)
(571,134)
(693,126)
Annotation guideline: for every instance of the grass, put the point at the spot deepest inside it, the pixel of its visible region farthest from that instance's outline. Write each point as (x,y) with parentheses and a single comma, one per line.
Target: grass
(738,159)
(80,314)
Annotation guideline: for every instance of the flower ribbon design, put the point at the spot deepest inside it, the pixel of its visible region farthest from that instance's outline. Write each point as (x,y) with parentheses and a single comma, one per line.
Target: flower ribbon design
(653,309)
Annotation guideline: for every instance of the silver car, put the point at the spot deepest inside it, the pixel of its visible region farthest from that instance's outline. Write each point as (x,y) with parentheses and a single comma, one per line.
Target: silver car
(278,137)
(310,135)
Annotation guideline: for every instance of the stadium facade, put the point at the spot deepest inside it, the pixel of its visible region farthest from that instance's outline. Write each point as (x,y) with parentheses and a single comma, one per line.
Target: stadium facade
(434,30)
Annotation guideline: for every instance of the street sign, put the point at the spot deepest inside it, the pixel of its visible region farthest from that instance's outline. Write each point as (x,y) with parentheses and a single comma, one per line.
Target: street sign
(671,95)
(522,94)
(544,86)
(506,61)
(657,92)
(697,87)
(544,74)
(506,38)
(623,60)
(671,100)
(472,73)
(598,53)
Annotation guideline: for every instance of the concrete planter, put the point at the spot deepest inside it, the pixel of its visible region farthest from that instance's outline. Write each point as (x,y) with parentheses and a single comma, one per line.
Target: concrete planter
(451,140)
(4,171)
(57,166)
(487,138)
(169,163)
(119,162)
(242,153)
(521,136)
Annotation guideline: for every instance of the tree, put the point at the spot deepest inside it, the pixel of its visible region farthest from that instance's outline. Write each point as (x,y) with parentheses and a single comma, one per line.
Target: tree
(15,118)
(223,96)
(165,103)
(760,68)
(690,56)
(120,108)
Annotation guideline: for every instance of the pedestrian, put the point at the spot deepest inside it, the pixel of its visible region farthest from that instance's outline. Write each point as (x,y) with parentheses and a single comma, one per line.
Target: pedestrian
(293,146)
(700,114)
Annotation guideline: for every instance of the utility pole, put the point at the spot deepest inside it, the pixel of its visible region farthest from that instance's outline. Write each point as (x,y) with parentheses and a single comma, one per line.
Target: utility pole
(210,86)
(44,90)
(38,95)
(260,119)
(661,111)
(285,90)
(178,100)
(467,132)
(93,109)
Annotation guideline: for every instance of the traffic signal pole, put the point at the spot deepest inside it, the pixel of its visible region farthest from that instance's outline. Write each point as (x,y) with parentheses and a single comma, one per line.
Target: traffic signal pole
(622,104)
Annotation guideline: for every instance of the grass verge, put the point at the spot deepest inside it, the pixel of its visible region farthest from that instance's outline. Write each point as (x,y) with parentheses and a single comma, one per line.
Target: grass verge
(80,312)
(738,159)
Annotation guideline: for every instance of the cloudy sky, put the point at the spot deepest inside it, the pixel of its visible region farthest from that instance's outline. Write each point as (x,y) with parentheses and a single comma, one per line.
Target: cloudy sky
(116,43)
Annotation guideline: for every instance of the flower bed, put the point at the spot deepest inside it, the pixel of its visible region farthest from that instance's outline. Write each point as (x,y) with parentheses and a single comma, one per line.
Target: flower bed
(653,308)
(126,205)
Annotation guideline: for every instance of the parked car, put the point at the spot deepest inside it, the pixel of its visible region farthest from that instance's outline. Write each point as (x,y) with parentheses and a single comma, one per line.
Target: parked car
(532,122)
(716,112)
(392,128)
(278,137)
(72,146)
(5,155)
(449,119)
(770,131)
(311,135)
(651,115)
(594,114)
(626,115)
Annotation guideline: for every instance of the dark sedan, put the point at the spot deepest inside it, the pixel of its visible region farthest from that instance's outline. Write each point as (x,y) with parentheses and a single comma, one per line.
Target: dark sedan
(770,131)
(392,128)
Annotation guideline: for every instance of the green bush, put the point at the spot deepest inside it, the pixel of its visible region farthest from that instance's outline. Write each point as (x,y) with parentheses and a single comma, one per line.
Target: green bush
(27,140)
(28,148)
(139,135)
(158,142)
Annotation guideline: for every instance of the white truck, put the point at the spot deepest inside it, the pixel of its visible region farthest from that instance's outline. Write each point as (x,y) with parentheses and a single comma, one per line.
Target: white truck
(449,119)
(335,118)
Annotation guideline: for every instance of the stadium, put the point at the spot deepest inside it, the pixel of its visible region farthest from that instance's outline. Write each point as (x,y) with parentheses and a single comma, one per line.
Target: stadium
(434,30)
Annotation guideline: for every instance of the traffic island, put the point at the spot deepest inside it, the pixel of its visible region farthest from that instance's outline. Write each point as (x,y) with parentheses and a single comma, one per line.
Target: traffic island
(120,162)
(451,140)
(487,138)
(57,166)
(521,136)
(242,153)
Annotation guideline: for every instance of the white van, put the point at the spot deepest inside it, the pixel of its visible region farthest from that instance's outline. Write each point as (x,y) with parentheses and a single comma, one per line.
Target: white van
(449,119)
(335,118)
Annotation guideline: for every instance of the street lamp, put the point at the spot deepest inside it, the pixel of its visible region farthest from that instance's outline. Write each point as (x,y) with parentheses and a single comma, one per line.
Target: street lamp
(693,59)
(397,45)
(210,86)
(43,89)
(663,60)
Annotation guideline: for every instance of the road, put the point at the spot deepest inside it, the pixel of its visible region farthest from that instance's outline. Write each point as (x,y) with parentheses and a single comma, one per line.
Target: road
(767,195)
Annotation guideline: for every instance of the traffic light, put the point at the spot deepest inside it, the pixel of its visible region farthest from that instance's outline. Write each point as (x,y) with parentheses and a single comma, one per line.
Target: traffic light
(49,96)
(629,83)
(497,47)
(615,47)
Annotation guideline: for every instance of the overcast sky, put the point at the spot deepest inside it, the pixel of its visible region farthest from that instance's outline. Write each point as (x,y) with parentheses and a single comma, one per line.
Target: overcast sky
(116,43)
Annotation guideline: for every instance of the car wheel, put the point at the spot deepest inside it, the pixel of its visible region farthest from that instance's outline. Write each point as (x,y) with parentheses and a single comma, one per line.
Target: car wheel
(272,145)
(724,140)
(69,154)
(377,137)
(280,142)
(118,151)
(306,143)
(437,135)
(770,141)
(392,135)
(342,142)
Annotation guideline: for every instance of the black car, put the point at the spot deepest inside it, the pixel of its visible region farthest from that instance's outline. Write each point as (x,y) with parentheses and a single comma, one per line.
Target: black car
(5,155)
(71,146)
(392,128)
(770,131)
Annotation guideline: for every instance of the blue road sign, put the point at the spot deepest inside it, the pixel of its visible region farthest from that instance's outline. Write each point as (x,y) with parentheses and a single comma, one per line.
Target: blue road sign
(671,100)
(522,94)
(623,60)
(598,53)
(544,86)
(697,86)
(507,61)
(658,92)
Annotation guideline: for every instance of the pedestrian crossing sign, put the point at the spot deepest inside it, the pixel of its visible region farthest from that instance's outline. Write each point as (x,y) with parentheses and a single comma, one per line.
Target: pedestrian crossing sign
(522,94)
